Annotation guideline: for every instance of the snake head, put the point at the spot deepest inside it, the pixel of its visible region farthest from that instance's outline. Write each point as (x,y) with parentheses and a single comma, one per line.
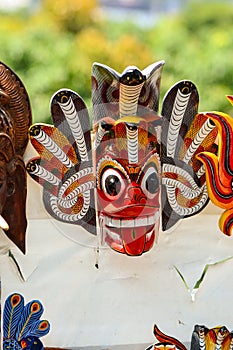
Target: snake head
(132,76)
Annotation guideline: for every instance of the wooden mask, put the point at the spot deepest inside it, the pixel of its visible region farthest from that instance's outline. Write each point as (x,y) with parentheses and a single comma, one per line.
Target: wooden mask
(15,119)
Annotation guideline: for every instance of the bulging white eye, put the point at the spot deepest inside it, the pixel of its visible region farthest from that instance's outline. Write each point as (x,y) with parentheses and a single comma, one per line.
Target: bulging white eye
(113,183)
(150,182)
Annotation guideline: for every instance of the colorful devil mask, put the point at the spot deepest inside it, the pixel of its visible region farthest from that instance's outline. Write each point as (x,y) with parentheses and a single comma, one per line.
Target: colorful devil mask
(203,338)
(219,169)
(127,155)
(139,164)
(128,185)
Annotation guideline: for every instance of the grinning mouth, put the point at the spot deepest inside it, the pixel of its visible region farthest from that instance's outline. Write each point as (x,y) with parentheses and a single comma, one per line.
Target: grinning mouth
(113,222)
(116,237)
(131,236)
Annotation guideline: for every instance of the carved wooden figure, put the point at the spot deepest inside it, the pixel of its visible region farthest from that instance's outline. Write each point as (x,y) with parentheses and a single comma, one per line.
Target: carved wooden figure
(166,342)
(15,119)
(127,155)
(218,337)
(141,164)
(203,338)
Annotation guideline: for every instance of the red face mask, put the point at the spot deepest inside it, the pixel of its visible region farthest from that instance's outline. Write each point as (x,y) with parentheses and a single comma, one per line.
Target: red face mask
(128,185)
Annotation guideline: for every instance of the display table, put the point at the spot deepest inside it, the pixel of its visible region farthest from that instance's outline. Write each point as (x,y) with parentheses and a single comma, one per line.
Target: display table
(107,299)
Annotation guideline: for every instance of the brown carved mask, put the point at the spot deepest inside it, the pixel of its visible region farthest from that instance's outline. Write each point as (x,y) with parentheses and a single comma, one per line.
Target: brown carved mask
(15,119)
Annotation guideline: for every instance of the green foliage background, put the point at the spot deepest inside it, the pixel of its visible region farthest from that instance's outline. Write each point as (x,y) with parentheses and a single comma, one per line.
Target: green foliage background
(55,47)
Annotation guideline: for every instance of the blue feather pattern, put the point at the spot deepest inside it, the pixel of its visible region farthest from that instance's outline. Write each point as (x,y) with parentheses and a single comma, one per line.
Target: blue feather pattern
(31,313)
(39,328)
(11,315)
(22,326)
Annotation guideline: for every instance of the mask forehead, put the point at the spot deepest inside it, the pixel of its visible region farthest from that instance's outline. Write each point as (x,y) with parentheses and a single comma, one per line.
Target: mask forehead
(130,139)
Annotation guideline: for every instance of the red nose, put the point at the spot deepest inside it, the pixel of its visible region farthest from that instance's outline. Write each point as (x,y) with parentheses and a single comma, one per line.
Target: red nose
(134,195)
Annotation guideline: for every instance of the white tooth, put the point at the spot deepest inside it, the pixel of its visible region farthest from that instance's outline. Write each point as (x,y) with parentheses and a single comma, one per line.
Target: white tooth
(140,222)
(115,236)
(105,219)
(127,223)
(148,235)
(3,224)
(108,221)
(153,219)
(111,222)
(156,216)
(115,223)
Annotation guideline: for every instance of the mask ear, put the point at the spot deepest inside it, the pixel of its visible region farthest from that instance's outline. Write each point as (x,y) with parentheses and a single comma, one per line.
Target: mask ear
(14,211)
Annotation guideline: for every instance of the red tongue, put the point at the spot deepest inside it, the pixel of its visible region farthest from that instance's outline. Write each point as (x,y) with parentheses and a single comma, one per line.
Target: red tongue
(134,240)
